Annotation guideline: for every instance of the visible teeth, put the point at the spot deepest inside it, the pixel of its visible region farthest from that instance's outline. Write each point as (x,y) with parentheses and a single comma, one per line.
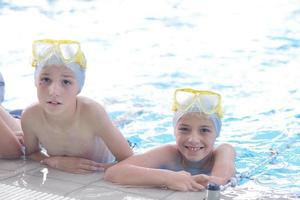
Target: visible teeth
(195,148)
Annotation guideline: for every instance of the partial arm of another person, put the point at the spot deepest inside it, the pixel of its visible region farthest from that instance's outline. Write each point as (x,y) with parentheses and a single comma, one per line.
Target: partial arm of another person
(144,170)
(11,136)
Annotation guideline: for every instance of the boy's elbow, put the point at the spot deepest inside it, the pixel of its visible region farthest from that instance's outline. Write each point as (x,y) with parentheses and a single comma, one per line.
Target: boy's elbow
(111,175)
(117,174)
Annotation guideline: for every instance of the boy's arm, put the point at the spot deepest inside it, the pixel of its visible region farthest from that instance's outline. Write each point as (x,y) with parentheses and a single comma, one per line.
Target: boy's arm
(224,165)
(32,149)
(110,134)
(144,170)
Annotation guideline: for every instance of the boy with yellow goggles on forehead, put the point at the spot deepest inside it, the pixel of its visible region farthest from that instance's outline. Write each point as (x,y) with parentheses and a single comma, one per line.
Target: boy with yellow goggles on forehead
(193,160)
(66,52)
(187,100)
(75,131)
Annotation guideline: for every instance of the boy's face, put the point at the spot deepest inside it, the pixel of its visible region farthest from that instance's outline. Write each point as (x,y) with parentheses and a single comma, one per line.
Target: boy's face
(56,88)
(195,136)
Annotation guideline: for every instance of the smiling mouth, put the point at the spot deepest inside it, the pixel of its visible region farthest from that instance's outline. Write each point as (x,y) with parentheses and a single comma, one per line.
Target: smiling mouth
(194,148)
(54,102)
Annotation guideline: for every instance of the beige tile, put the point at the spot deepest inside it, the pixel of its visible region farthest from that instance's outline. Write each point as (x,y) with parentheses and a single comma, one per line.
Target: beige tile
(147,192)
(9,192)
(45,171)
(187,195)
(4,174)
(32,175)
(95,192)
(39,184)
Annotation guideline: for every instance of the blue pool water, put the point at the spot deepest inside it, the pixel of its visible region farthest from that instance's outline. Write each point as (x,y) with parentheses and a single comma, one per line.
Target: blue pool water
(139,51)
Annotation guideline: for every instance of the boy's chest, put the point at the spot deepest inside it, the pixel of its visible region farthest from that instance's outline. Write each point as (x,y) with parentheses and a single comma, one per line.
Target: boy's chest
(73,141)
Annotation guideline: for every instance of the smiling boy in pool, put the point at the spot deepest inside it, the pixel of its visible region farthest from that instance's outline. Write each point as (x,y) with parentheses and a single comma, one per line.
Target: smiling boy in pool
(75,131)
(193,161)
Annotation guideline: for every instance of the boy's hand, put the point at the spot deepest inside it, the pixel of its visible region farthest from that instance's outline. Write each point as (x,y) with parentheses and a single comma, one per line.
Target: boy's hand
(20,136)
(183,181)
(74,165)
(202,179)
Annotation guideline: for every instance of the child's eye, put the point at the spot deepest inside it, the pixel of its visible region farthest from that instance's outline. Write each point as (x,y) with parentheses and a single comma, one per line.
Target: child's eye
(183,129)
(45,80)
(205,130)
(66,82)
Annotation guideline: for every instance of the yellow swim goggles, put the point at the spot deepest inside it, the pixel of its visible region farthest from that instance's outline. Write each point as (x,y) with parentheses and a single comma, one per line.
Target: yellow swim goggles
(68,50)
(207,101)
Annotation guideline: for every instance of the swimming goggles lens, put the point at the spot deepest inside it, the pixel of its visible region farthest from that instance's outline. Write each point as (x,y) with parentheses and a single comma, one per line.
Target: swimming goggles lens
(206,101)
(68,50)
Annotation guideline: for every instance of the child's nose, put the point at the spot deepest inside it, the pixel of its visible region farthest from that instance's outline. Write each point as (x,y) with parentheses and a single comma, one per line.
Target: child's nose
(55,89)
(194,138)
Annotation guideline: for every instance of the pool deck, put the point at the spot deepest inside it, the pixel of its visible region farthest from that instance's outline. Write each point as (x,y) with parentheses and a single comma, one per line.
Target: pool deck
(25,179)
(36,179)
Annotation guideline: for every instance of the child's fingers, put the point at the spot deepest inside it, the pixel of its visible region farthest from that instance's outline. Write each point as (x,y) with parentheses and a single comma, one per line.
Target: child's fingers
(82,171)
(85,162)
(88,162)
(105,165)
(96,165)
(202,179)
(50,162)
(21,140)
(90,166)
(196,186)
(19,133)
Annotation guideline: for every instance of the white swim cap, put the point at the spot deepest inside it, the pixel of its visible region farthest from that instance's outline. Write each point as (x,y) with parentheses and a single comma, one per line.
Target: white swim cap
(55,59)
(59,52)
(195,109)
(188,100)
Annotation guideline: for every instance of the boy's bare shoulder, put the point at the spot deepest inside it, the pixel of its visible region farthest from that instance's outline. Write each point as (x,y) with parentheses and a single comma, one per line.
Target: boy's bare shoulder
(87,103)
(171,147)
(225,146)
(224,149)
(31,111)
(89,106)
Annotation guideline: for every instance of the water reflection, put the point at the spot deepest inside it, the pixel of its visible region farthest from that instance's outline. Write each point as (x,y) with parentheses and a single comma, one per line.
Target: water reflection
(44,171)
(139,51)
